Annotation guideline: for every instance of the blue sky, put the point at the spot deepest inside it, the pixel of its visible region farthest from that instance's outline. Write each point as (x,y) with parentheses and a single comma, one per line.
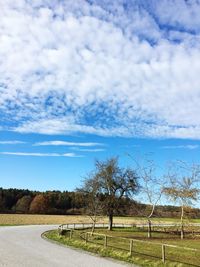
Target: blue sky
(85,80)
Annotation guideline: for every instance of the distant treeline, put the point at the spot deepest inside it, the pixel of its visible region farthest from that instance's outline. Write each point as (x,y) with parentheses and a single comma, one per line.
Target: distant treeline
(57,202)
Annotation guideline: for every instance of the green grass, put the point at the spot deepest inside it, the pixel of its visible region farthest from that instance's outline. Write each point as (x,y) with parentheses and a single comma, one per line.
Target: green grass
(158,238)
(144,254)
(118,255)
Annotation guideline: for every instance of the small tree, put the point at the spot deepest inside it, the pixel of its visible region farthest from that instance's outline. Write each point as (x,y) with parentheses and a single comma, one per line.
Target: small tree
(182,187)
(93,204)
(151,186)
(109,184)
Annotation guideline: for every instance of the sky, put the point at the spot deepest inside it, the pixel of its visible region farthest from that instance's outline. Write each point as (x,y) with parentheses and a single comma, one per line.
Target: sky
(84,80)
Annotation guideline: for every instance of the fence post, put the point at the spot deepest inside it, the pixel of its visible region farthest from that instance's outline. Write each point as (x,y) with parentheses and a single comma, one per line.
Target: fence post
(74,225)
(105,241)
(86,237)
(131,247)
(163,253)
(71,234)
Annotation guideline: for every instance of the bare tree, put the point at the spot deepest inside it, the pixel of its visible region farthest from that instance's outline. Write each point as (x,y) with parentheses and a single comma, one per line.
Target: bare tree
(94,206)
(151,186)
(110,184)
(183,186)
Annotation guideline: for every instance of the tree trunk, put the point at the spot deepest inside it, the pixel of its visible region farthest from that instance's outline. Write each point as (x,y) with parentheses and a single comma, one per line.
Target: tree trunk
(93,225)
(149,228)
(182,232)
(149,222)
(182,226)
(110,224)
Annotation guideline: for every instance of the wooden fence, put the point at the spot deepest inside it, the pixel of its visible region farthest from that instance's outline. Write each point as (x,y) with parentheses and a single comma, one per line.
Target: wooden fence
(133,246)
(89,225)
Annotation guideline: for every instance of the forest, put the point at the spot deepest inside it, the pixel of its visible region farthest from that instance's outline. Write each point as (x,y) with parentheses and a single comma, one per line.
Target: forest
(24,201)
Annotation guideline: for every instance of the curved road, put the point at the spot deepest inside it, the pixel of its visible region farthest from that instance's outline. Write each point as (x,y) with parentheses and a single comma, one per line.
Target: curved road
(23,246)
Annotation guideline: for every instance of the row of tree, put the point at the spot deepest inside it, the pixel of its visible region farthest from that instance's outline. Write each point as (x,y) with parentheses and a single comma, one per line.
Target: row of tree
(110,190)
(57,202)
(49,202)
(109,184)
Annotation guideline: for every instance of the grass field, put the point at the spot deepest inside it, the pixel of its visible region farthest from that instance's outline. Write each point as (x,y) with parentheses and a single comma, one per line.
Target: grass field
(27,219)
(144,254)
(30,219)
(154,247)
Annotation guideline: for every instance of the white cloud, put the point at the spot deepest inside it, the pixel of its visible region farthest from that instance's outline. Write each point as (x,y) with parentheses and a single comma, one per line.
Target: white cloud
(66,143)
(88,149)
(13,142)
(71,155)
(59,126)
(186,18)
(181,147)
(101,68)
(62,126)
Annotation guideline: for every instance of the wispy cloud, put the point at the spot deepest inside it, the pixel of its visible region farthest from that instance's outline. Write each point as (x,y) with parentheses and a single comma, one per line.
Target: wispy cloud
(72,155)
(66,143)
(15,142)
(181,147)
(117,69)
(88,149)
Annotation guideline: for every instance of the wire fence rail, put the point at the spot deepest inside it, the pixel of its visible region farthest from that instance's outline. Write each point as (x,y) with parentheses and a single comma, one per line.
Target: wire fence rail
(186,255)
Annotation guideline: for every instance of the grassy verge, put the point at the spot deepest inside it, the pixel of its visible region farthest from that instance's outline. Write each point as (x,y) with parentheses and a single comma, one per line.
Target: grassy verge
(119,254)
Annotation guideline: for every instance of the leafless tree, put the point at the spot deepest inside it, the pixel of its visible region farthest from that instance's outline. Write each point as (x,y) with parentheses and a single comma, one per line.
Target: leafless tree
(109,184)
(94,206)
(151,185)
(183,186)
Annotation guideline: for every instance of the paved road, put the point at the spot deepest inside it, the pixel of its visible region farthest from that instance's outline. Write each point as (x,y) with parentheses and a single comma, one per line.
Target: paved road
(23,246)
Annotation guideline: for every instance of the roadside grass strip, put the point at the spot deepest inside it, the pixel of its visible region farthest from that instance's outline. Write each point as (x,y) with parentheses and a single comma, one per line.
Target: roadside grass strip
(117,245)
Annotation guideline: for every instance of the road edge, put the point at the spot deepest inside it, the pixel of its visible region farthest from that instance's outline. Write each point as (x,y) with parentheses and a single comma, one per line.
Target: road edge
(85,251)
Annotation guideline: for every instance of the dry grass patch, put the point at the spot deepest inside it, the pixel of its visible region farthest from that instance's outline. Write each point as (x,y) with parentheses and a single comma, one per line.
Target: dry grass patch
(27,219)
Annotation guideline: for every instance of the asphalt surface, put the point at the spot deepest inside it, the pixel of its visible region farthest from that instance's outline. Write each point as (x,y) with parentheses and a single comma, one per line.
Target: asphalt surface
(23,246)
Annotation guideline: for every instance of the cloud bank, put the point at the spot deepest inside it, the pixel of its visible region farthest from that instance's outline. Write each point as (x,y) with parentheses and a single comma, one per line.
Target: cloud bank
(111,68)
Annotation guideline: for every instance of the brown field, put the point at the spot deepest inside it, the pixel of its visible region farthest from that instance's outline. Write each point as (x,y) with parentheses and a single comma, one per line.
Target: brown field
(27,219)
